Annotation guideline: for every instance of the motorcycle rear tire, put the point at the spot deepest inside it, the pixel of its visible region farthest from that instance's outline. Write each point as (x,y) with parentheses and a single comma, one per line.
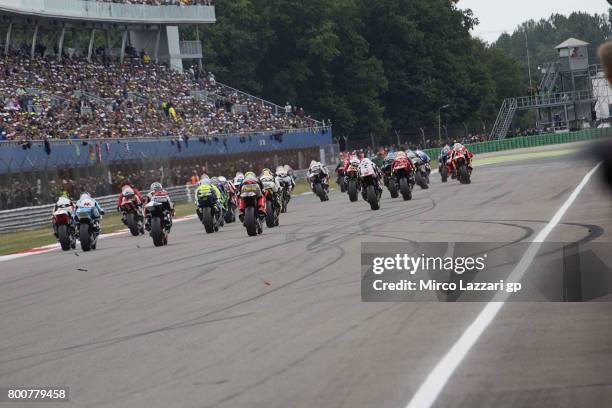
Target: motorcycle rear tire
(157,232)
(421,180)
(270,214)
(352,190)
(320,192)
(405,189)
(373,198)
(64,237)
(85,237)
(393,188)
(130,219)
(464,175)
(250,221)
(230,216)
(444,174)
(208,220)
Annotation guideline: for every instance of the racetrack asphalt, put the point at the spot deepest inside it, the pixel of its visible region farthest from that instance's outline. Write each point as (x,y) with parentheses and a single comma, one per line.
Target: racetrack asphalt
(226,320)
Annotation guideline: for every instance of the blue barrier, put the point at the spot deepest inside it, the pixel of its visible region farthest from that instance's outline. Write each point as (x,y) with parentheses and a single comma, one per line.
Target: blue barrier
(14,158)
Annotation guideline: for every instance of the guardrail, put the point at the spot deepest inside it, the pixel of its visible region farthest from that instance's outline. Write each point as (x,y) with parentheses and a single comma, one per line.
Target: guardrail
(531,141)
(27,218)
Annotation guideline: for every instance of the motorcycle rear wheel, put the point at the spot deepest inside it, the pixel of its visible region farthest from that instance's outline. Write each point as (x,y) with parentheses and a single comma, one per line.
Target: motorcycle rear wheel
(464,175)
(64,237)
(85,237)
(444,174)
(208,220)
(373,198)
(157,232)
(250,221)
(393,188)
(405,189)
(130,219)
(352,190)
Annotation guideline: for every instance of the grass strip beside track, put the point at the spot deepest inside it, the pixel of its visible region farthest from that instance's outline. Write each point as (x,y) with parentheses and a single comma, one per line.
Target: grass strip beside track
(523,156)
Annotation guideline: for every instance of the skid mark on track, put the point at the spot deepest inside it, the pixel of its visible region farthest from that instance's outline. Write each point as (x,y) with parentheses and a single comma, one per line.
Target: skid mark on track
(195,321)
(297,361)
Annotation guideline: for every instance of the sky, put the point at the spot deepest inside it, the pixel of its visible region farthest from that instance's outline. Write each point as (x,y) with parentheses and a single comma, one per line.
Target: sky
(497,16)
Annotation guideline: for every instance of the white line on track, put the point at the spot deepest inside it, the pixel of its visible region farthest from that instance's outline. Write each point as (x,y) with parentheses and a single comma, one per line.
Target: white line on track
(429,390)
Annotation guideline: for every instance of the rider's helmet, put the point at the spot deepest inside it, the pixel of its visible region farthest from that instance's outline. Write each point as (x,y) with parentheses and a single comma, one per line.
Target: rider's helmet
(250,175)
(156,187)
(400,154)
(266,173)
(457,146)
(205,181)
(85,196)
(222,179)
(239,178)
(215,180)
(63,202)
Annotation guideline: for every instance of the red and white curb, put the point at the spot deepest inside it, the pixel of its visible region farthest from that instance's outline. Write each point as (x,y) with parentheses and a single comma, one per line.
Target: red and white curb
(54,247)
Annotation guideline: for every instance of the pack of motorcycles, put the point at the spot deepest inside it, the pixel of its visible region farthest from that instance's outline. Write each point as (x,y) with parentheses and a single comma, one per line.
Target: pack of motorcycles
(399,175)
(84,225)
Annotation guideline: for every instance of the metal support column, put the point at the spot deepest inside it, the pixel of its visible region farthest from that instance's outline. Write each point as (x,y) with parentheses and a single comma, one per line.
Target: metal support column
(7,45)
(34,39)
(60,45)
(123,43)
(157,37)
(91,44)
(108,43)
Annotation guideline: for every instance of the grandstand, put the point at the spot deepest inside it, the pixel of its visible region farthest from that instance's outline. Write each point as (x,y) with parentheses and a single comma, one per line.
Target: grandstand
(117,71)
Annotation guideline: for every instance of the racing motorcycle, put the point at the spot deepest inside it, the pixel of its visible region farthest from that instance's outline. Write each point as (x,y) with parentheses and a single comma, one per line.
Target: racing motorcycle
(158,209)
(285,195)
(403,175)
(63,225)
(250,194)
(88,219)
(232,203)
(319,187)
(443,169)
(340,177)
(389,179)
(371,190)
(462,167)
(132,212)
(351,178)
(422,171)
(273,205)
(210,211)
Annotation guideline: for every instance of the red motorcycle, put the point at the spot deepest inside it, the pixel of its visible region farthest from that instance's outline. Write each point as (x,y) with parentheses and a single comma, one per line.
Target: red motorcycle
(461,165)
(133,216)
(402,173)
(63,224)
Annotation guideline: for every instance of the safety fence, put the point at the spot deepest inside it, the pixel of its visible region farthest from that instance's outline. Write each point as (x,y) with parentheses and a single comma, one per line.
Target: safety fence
(532,141)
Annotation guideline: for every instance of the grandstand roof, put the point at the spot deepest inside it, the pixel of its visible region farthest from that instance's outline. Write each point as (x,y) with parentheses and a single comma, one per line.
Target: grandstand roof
(104,12)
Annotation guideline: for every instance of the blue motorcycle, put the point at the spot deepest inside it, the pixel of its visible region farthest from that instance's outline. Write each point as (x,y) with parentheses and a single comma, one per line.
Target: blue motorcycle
(87,215)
